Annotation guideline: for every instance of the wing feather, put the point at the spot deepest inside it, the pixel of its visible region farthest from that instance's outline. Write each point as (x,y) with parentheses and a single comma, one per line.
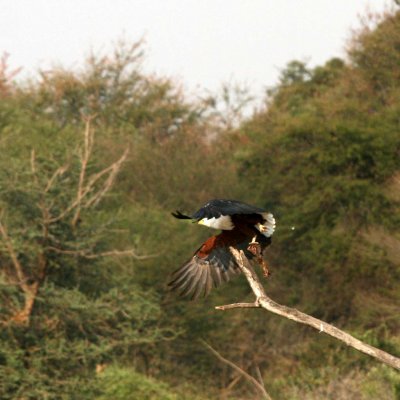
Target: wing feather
(181,273)
(200,284)
(209,282)
(199,275)
(191,281)
(179,215)
(216,276)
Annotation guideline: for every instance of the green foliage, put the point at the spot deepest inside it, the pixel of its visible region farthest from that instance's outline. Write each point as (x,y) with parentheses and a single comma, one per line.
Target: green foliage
(125,383)
(331,383)
(70,335)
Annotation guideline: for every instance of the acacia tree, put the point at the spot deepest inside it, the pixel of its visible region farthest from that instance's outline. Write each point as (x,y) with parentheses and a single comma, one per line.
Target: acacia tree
(40,213)
(68,302)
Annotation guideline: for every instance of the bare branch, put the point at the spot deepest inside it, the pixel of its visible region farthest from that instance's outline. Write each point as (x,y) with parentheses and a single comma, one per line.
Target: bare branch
(14,258)
(33,161)
(254,381)
(85,188)
(291,313)
(238,305)
(58,172)
(114,169)
(87,253)
(65,212)
(129,252)
(259,376)
(232,384)
(22,317)
(87,149)
(30,290)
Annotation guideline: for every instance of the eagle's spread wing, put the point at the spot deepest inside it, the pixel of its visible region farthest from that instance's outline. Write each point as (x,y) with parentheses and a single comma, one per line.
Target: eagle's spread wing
(213,262)
(199,275)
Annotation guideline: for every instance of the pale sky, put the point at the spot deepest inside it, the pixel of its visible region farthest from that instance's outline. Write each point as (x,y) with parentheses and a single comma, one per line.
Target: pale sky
(201,43)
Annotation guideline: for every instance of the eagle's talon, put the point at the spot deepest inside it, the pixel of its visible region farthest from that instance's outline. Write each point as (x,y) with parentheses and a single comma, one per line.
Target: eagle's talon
(254,248)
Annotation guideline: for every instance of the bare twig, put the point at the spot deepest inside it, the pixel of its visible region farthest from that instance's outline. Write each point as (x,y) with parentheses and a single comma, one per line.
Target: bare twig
(129,253)
(114,169)
(232,384)
(254,381)
(262,300)
(58,172)
(33,161)
(259,376)
(87,149)
(86,253)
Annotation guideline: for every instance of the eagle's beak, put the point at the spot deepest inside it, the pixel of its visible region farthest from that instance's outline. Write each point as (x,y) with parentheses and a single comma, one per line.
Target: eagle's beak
(201,222)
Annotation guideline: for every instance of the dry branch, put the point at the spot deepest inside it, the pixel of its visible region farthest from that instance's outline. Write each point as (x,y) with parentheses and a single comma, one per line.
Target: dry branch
(242,372)
(30,290)
(86,152)
(112,253)
(86,184)
(263,301)
(14,258)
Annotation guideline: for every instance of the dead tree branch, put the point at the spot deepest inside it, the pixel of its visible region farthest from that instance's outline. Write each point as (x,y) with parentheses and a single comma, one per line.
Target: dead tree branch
(29,290)
(112,253)
(14,258)
(263,301)
(86,152)
(242,372)
(86,185)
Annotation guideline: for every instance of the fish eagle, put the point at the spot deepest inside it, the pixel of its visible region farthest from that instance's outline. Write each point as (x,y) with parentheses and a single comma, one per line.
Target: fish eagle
(213,263)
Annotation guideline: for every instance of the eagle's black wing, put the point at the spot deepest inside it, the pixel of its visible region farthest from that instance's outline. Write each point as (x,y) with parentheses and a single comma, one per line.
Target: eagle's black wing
(216,208)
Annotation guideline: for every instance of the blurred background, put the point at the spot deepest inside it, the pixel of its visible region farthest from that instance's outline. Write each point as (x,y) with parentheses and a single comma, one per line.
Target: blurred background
(114,114)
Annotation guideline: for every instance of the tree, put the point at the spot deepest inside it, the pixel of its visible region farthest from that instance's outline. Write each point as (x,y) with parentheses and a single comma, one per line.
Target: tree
(63,308)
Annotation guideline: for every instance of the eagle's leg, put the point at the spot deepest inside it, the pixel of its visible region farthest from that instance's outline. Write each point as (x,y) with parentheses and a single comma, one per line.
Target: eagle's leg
(255,249)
